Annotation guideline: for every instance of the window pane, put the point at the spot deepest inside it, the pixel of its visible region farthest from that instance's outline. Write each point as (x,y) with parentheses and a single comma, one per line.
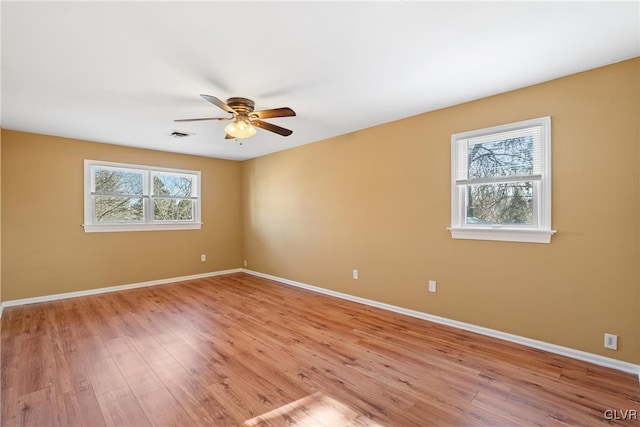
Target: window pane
(173,210)
(117,181)
(503,157)
(510,203)
(118,208)
(172,185)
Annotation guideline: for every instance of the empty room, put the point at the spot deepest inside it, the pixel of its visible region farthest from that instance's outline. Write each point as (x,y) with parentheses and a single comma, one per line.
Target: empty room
(298,213)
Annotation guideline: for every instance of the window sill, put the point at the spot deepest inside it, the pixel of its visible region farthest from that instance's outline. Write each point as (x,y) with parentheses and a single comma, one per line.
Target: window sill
(105,228)
(522,235)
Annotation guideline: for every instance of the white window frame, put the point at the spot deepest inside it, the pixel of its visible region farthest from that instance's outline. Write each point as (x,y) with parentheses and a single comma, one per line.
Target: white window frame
(538,232)
(148,224)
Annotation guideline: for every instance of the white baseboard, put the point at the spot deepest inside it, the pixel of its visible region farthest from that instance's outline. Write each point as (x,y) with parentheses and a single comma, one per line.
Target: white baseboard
(96,291)
(596,359)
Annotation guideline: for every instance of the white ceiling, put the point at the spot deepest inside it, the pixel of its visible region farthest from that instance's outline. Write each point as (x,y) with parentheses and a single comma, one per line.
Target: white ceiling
(120,72)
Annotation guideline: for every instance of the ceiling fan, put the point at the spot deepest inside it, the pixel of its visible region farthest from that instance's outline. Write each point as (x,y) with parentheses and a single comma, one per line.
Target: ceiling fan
(245,120)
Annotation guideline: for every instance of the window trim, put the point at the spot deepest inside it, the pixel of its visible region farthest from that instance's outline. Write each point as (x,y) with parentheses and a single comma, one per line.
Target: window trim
(540,233)
(90,226)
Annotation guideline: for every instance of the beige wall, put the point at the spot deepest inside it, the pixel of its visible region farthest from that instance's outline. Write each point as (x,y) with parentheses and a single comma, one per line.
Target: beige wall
(45,249)
(378,200)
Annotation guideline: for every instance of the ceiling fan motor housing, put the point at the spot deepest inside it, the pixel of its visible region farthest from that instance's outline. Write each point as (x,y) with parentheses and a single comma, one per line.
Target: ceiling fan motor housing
(242,106)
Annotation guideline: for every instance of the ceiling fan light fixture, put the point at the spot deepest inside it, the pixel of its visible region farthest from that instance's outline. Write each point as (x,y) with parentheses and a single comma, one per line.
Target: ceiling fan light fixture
(240,128)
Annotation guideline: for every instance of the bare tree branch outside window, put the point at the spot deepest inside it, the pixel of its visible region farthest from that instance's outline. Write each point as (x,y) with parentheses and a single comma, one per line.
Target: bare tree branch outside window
(505,202)
(171,198)
(120,196)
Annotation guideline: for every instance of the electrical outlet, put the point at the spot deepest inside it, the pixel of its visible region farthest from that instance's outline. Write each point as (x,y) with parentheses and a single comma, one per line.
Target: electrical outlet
(355,274)
(432,285)
(245,263)
(611,341)
(203,257)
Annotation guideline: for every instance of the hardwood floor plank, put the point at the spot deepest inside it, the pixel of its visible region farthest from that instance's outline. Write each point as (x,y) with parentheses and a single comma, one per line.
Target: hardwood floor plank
(167,369)
(92,348)
(137,373)
(37,408)
(163,410)
(105,376)
(316,409)
(80,408)
(10,406)
(440,413)
(37,374)
(513,413)
(120,408)
(239,350)
(199,403)
(70,371)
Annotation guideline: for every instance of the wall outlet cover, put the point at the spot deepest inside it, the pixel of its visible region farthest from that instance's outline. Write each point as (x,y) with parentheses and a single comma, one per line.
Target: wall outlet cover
(432,285)
(611,341)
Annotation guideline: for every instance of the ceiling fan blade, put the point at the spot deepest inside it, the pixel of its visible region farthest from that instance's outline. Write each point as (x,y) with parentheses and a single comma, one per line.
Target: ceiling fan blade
(205,118)
(276,112)
(227,136)
(271,127)
(220,104)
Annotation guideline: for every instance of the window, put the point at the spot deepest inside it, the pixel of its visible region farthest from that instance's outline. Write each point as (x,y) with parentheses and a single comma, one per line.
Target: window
(501,183)
(122,197)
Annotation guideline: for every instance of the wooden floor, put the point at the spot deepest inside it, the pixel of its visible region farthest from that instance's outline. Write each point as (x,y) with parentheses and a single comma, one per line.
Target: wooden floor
(238,350)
